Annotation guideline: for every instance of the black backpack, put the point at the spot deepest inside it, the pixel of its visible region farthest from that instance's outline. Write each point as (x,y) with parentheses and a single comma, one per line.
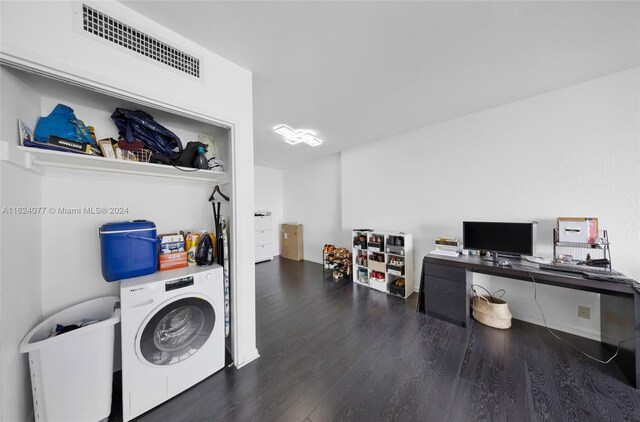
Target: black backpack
(187,157)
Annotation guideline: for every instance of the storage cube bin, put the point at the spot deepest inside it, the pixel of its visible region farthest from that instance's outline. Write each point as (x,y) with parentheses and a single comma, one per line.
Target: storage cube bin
(398,250)
(395,290)
(375,247)
(360,244)
(378,284)
(395,270)
(377,266)
(128,249)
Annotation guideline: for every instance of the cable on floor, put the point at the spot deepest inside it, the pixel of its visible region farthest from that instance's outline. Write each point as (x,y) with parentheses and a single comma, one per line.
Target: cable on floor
(544,319)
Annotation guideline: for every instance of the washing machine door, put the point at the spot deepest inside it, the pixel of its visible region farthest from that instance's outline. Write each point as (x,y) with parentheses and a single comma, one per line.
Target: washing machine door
(176,330)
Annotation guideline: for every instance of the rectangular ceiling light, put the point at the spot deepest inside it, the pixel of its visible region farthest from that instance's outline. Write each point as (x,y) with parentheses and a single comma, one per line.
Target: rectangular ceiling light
(311,140)
(285,131)
(294,137)
(292,141)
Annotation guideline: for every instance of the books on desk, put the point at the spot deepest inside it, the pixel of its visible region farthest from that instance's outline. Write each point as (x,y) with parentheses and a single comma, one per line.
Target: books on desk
(447,246)
(447,241)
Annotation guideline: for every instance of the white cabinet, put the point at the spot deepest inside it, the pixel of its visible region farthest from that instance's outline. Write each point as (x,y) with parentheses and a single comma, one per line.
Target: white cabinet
(383,261)
(264,236)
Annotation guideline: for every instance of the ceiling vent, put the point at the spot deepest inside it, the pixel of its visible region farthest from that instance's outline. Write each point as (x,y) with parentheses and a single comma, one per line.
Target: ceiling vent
(114,31)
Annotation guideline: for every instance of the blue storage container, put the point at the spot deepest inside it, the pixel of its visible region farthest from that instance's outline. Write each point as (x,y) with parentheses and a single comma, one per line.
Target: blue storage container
(128,249)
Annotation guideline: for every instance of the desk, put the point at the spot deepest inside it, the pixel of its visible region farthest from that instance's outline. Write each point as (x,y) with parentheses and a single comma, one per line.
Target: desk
(445,293)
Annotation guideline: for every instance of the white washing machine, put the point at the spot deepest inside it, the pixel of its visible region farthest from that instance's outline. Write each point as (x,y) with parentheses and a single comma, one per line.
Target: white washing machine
(172,334)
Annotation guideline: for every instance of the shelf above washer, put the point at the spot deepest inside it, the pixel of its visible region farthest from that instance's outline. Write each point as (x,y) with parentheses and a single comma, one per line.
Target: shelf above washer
(39,160)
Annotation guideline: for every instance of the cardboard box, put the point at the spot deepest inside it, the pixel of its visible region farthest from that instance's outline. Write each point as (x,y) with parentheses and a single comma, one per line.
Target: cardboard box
(171,243)
(172,261)
(291,242)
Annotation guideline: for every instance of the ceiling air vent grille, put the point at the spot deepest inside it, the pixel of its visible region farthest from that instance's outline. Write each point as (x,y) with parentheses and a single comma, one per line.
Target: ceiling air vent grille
(114,31)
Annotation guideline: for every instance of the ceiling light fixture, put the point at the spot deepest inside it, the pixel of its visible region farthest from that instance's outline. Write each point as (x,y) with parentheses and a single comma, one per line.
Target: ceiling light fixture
(294,137)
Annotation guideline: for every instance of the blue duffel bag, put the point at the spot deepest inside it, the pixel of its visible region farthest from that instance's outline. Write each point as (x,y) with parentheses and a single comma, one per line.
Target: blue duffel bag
(63,123)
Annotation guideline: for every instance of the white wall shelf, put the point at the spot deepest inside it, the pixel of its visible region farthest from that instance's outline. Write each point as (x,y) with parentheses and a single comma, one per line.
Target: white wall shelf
(39,160)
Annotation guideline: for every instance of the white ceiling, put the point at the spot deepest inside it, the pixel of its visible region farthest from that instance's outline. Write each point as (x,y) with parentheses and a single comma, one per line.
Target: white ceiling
(361,71)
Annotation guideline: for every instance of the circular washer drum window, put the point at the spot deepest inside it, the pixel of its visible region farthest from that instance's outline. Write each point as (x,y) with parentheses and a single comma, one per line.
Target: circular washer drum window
(177,331)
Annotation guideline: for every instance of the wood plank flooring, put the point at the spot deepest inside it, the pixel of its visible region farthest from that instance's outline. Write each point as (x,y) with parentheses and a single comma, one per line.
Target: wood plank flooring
(335,351)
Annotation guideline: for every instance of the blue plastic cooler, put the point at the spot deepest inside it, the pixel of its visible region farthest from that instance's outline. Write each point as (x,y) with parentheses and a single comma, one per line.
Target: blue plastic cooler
(129,249)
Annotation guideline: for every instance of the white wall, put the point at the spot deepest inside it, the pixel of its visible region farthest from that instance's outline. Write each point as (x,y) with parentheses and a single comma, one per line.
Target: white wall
(571,152)
(223,93)
(20,235)
(72,240)
(312,198)
(21,304)
(269,196)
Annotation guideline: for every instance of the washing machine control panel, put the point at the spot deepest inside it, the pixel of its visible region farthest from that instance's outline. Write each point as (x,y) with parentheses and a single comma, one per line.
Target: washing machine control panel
(178,283)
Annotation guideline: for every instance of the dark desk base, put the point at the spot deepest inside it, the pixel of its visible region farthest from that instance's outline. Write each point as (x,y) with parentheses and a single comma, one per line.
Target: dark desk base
(445,293)
(620,320)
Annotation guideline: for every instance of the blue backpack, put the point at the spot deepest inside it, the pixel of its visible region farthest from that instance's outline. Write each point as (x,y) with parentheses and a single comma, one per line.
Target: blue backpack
(61,122)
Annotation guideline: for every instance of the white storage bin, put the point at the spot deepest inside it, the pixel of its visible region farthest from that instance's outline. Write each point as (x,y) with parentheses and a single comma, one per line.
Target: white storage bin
(72,373)
(378,284)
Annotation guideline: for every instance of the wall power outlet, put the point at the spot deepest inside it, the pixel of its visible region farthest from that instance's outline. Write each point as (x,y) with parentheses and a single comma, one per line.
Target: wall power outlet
(584,312)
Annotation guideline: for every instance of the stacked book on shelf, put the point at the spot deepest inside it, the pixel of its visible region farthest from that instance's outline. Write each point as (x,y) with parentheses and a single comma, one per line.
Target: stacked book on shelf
(448,244)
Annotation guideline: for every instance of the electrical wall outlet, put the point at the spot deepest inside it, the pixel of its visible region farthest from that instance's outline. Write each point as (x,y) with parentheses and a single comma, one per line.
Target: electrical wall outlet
(584,312)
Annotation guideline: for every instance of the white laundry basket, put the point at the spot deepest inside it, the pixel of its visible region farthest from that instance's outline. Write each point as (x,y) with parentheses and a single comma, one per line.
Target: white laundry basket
(72,373)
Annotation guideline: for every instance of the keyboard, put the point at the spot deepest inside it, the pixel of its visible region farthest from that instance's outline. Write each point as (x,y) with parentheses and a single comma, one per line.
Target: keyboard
(607,277)
(537,259)
(444,253)
(581,269)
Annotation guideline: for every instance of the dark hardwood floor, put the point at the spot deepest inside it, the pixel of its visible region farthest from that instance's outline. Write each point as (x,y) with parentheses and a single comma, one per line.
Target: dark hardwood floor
(334,351)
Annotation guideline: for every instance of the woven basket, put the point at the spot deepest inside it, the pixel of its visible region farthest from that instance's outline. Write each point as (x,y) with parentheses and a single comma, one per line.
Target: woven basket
(490,310)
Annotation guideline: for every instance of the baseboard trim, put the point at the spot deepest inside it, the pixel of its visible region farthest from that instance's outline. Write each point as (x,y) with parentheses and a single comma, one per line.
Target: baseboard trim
(567,328)
(248,358)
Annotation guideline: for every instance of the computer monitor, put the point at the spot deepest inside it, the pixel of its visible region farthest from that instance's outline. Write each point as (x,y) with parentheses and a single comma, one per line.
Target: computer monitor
(512,239)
